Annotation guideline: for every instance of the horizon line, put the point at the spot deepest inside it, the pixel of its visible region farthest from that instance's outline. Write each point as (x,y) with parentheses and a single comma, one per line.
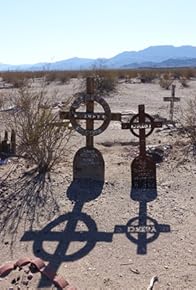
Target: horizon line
(95,58)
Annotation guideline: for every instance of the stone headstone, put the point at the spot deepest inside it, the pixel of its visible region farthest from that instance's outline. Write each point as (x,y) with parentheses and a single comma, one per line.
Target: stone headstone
(88,164)
(143,172)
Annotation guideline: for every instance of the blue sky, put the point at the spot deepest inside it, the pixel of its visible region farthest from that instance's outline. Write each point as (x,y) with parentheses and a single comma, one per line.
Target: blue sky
(34,31)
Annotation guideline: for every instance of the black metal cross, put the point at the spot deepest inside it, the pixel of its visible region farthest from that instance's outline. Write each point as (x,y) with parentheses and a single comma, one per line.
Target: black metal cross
(142,122)
(90,116)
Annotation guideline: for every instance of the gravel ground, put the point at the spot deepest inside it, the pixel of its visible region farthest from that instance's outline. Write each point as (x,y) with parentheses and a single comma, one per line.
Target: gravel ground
(86,237)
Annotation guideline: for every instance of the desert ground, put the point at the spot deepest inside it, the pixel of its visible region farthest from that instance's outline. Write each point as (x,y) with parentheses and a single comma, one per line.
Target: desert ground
(84,236)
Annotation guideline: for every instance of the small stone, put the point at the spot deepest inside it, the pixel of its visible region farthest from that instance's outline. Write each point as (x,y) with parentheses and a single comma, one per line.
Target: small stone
(13,281)
(30,276)
(25,282)
(26,270)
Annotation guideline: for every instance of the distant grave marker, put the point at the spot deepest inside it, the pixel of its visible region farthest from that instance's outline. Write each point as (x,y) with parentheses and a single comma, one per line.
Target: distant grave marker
(8,148)
(143,168)
(172,100)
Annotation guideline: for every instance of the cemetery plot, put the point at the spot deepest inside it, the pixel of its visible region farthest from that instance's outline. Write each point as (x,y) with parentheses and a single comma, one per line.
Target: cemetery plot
(99,236)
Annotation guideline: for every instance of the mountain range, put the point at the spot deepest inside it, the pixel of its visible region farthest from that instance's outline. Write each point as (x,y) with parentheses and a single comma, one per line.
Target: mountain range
(161,56)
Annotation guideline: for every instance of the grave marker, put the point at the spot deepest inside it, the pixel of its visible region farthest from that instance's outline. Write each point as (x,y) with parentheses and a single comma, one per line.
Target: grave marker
(8,149)
(88,161)
(172,100)
(143,168)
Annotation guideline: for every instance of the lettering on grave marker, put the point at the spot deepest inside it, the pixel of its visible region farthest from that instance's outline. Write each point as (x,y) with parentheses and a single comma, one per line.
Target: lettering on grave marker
(88,164)
(90,116)
(83,166)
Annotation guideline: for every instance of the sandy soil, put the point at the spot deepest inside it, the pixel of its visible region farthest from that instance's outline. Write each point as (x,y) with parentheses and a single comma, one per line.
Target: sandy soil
(84,237)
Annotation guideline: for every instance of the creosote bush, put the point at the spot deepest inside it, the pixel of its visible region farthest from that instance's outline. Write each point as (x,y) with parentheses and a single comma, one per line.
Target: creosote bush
(189,122)
(184,82)
(147,76)
(39,140)
(105,81)
(166,81)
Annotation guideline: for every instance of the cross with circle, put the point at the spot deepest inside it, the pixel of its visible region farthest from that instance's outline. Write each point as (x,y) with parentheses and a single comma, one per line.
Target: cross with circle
(142,122)
(65,230)
(90,116)
(143,167)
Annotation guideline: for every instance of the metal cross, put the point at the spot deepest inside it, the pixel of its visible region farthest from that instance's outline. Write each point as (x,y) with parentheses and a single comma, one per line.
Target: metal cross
(142,122)
(90,116)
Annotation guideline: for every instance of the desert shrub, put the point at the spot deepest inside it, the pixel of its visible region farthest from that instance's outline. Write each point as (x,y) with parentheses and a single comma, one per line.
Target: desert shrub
(184,82)
(58,76)
(62,77)
(105,81)
(184,73)
(189,122)
(188,73)
(147,76)
(50,77)
(176,74)
(39,140)
(16,79)
(2,100)
(166,81)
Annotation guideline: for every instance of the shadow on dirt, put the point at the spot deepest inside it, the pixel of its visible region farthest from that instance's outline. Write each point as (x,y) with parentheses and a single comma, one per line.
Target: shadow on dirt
(24,198)
(142,229)
(74,226)
(75,233)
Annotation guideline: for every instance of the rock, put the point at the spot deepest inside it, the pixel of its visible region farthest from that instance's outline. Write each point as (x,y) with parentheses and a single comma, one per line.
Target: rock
(159,152)
(30,276)
(25,282)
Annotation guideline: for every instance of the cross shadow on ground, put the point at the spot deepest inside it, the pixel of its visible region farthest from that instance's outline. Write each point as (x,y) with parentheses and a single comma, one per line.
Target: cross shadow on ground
(142,229)
(71,227)
(79,227)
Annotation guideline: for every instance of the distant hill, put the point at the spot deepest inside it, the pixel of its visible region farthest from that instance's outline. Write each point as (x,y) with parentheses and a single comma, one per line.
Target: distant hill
(153,56)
